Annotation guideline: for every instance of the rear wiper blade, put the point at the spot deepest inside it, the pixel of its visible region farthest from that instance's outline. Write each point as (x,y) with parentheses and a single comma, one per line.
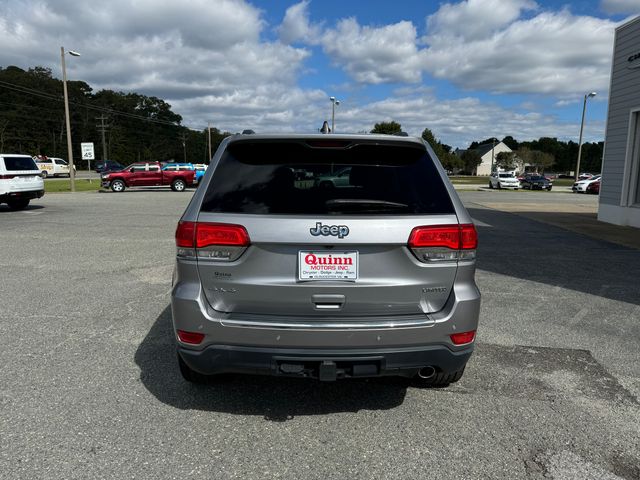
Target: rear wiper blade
(363,203)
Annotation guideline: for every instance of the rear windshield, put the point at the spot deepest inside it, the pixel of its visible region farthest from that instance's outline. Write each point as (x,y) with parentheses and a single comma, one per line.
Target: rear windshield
(263,177)
(19,163)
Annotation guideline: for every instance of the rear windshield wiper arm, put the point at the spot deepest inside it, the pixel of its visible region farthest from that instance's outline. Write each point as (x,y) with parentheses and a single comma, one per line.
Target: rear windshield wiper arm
(364,203)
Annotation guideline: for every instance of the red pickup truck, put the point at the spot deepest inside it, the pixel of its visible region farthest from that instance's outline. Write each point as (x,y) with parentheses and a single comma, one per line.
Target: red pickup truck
(147,174)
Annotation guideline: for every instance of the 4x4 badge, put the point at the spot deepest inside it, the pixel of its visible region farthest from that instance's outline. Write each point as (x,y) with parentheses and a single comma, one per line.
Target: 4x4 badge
(339,231)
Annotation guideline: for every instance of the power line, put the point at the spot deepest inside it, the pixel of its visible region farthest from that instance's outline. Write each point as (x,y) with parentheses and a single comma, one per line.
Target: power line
(30,91)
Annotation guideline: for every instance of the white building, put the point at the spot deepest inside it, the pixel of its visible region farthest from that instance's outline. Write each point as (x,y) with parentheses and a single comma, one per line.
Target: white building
(620,189)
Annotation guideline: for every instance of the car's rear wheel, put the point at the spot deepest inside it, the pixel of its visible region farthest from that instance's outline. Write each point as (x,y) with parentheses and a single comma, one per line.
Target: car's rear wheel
(118,186)
(18,204)
(190,375)
(44,174)
(178,185)
(438,380)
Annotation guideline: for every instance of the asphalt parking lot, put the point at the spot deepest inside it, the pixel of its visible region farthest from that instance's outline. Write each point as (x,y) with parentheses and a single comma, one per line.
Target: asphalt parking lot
(90,386)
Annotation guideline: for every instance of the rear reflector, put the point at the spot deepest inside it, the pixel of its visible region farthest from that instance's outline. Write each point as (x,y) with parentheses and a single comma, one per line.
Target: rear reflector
(193,338)
(463,338)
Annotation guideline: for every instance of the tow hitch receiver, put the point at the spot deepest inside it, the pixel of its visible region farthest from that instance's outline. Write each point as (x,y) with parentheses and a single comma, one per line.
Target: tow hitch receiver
(328,371)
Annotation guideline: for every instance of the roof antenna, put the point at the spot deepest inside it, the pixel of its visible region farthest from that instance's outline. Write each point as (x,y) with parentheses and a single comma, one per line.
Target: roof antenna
(325,127)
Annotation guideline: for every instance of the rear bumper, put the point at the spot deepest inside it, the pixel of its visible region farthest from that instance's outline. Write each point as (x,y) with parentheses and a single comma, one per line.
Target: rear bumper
(323,364)
(29,194)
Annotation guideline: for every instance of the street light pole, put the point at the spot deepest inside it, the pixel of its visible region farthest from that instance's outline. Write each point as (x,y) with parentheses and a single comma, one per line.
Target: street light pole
(584,108)
(209,140)
(334,102)
(72,171)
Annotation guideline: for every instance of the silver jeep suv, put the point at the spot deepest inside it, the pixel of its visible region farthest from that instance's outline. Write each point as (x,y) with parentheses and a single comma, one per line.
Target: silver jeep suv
(362,266)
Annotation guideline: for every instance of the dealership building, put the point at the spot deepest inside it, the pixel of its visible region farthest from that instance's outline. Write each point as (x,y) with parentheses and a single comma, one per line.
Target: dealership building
(620,190)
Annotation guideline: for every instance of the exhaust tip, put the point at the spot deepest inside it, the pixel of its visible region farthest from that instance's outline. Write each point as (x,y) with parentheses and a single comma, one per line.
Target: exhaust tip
(426,372)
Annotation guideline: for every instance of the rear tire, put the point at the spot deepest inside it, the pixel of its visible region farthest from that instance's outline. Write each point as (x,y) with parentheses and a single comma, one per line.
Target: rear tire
(178,185)
(191,375)
(439,380)
(44,174)
(18,204)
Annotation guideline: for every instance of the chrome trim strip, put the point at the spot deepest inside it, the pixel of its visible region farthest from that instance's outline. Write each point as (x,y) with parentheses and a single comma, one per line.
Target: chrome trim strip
(427,322)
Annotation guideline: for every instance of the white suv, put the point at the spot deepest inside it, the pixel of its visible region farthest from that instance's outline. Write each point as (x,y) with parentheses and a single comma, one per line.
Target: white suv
(20,180)
(503,180)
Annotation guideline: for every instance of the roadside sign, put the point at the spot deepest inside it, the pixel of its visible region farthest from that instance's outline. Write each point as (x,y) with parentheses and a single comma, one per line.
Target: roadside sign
(87,151)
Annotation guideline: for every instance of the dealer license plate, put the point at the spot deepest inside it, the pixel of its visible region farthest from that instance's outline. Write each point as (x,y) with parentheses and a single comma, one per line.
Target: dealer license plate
(328,265)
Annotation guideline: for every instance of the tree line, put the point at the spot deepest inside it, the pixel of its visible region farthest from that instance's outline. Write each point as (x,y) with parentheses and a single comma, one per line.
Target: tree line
(545,153)
(138,127)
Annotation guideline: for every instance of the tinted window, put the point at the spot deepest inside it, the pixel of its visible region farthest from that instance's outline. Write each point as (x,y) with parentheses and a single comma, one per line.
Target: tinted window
(263,177)
(60,162)
(20,163)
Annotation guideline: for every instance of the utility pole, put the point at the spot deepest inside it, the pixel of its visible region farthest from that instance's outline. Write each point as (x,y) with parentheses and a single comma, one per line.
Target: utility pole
(102,128)
(493,158)
(184,145)
(209,140)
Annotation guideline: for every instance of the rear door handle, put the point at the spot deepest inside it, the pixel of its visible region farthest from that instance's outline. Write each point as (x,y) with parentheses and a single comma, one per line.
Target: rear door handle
(328,301)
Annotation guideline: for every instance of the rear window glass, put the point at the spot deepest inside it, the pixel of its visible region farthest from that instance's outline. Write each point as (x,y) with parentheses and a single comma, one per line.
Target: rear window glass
(263,177)
(19,163)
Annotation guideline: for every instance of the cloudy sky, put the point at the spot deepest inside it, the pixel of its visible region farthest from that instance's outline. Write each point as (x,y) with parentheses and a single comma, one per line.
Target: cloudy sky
(468,69)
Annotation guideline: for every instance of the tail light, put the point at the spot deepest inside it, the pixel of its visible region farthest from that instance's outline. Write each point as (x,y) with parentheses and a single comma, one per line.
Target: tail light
(7,177)
(441,243)
(463,338)
(214,241)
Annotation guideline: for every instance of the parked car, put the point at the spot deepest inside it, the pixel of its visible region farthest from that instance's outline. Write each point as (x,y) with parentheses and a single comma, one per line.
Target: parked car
(593,187)
(536,182)
(200,169)
(371,277)
(332,180)
(52,166)
(585,176)
(503,180)
(146,175)
(20,180)
(581,186)
(108,166)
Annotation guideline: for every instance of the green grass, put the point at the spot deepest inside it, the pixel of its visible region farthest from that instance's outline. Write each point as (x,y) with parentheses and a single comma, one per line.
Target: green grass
(58,186)
(470,180)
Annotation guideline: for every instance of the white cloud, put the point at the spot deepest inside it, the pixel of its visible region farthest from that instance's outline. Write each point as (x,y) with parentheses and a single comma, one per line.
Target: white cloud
(375,54)
(551,53)
(209,50)
(459,122)
(620,6)
(475,19)
(296,26)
